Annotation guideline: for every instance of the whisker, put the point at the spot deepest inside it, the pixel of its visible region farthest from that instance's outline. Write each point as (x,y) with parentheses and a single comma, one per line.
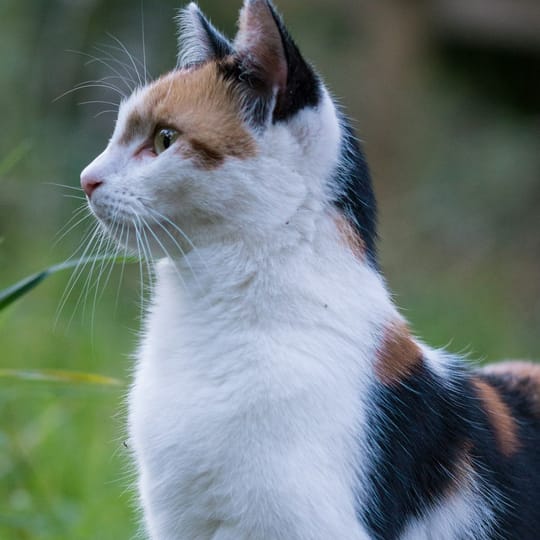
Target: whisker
(112,262)
(90,85)
(141,272)
(74,215)
(114,111)
(97,283)
(168,255)
(129,55)
(176,244)
(143,43)
(76,197)
(147,254)
(75,275)
(94,59)
(119,49)
(63,186)
(122,269)
(75,225)
(98,102)
(88,281)
(126,66)
(160,216)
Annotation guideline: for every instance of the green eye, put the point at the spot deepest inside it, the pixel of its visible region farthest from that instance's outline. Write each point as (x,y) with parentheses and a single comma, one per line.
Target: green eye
(164,139)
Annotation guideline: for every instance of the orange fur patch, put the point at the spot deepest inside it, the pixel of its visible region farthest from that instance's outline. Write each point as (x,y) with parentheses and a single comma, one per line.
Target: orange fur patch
(350,236)
(523,377)
(397,356)
(203,108)
(500,417)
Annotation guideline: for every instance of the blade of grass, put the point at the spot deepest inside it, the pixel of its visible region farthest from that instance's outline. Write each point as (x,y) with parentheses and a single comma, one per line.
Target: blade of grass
(58,376)
(16,291)
(13,293)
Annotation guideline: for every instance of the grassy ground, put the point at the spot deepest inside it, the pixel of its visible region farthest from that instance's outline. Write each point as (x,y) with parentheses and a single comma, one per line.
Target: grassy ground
(64,472)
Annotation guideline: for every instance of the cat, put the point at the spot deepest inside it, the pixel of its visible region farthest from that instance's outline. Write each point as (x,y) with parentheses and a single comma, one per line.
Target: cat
(278,392)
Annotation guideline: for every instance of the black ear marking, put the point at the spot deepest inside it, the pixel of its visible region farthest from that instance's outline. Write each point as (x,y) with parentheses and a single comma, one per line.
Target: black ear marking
(270,62)
(303,86)
(199,41)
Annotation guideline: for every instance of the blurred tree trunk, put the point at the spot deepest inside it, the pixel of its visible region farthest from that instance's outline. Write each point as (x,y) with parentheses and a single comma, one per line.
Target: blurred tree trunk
(395,52)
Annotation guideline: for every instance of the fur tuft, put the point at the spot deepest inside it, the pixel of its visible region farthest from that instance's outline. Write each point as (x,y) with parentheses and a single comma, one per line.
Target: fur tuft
(198,40)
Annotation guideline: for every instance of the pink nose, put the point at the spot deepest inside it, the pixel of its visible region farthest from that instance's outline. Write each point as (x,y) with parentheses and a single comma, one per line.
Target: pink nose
(90,184)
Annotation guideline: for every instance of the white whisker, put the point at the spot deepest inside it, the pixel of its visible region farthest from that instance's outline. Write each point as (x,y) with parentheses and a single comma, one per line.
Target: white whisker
(119,49)
(129,55)
(76,188)
(183,254)
(75,275)
(94,84)
(98,102)
(76,197)
(167,254)
(160,216)
(94,59)
(113,111)
(75,225)
(123,267)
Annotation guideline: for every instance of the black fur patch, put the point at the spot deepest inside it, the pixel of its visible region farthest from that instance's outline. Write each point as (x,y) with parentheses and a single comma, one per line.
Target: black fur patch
(419,436)
(250,84)
(419,431)
(303,86)
(220,45)
(355,195)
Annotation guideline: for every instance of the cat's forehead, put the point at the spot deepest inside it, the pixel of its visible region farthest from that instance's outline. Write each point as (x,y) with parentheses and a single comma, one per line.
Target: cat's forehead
(190,100)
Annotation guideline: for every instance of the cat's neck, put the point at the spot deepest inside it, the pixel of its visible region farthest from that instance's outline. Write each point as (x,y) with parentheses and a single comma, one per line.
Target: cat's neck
(309,276)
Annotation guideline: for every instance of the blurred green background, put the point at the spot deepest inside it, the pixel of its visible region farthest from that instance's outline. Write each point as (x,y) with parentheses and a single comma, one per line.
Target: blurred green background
(446,96)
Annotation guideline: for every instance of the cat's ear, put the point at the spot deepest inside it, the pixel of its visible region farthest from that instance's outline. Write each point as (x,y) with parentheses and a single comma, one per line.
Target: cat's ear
(199,41)
(272,63)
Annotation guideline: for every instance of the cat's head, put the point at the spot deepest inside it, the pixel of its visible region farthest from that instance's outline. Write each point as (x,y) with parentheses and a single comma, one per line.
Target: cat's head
(240,139)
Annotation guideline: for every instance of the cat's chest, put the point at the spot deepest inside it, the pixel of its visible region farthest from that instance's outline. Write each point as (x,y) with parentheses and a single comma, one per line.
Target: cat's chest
(218,380)
(212,390)
(242,403)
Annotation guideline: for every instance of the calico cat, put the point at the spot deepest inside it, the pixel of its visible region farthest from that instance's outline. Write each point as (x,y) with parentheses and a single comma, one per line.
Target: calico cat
(279,394)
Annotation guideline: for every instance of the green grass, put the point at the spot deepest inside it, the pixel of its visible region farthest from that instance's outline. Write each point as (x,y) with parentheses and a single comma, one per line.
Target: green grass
(64,471)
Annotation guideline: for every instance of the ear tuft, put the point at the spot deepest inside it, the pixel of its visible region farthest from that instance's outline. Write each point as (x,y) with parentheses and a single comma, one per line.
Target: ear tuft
(199,41)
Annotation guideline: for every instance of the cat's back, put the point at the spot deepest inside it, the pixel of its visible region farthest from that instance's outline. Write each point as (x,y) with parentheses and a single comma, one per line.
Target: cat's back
(518,415)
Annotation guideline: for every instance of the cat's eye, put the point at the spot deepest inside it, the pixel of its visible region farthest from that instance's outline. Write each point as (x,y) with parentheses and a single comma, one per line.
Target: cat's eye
(164,139)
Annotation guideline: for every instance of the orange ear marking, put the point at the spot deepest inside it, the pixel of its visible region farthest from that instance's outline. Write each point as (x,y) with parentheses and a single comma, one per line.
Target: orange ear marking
(500,417)
(397,356)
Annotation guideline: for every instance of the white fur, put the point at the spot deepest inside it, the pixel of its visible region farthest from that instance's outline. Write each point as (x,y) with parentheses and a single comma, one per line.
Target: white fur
(464,516)
(248,405)
(247,400)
